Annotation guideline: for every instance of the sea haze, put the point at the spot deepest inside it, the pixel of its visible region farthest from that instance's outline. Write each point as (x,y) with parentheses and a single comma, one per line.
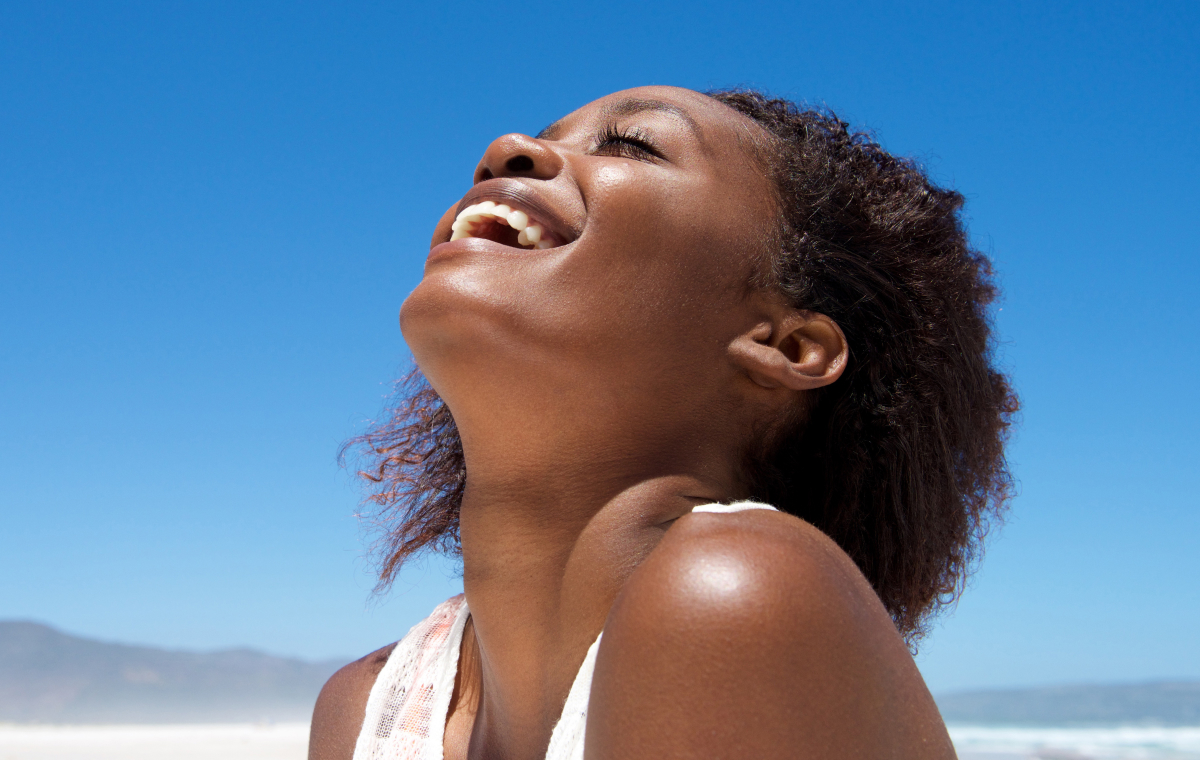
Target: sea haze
(1165,703)
(47,676)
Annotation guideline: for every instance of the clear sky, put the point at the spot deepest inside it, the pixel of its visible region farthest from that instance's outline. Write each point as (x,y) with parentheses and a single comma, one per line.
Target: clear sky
(210,213)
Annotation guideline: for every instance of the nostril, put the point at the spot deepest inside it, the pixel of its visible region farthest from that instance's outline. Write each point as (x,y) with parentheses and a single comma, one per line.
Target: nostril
(519,164)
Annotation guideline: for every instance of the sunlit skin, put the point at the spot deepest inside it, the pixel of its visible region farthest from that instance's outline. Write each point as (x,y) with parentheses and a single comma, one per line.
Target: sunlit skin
(602,388)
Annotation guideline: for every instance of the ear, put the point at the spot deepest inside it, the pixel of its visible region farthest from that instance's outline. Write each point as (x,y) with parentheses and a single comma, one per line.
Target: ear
(800,351)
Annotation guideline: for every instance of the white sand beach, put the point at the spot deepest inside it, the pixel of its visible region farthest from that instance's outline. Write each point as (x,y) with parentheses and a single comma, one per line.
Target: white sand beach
(282,741)
(1116,743)
(289,741)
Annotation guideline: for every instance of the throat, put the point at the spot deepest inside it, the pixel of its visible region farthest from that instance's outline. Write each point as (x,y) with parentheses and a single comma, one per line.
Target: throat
(540,584)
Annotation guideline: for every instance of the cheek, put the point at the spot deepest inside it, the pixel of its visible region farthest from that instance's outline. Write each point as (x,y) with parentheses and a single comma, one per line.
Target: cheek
(669,249)
(655,282)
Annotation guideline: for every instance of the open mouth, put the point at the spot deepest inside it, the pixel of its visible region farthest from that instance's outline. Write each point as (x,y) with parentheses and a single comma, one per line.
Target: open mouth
(501,224)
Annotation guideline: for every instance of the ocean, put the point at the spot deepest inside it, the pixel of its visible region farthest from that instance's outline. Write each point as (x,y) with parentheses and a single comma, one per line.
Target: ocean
(289,741)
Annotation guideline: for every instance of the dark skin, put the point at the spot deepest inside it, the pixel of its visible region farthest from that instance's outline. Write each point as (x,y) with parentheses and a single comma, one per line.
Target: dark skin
(603,388)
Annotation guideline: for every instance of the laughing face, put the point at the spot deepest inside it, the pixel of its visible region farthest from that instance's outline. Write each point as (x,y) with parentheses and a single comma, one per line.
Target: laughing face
(597,273)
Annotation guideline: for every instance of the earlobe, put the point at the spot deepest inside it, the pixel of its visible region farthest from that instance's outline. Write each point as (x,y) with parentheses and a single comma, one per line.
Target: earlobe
(802,351)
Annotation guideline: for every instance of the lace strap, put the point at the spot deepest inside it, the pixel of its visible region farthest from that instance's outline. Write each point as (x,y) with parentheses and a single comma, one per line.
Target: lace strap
(406,710)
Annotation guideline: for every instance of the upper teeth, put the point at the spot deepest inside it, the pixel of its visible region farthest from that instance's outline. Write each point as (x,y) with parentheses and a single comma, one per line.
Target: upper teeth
(528,233)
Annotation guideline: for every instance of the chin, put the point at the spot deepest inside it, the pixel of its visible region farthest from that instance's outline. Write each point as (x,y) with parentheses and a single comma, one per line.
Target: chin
(463,340)
(436,329)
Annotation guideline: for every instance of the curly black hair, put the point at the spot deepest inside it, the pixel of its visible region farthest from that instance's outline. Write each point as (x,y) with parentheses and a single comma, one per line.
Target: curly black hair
(901,461)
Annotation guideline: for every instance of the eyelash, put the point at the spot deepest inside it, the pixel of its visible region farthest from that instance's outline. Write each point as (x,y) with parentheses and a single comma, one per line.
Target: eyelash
(632,143)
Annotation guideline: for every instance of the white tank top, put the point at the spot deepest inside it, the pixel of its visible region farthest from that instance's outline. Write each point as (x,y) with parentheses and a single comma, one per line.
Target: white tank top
(406,711)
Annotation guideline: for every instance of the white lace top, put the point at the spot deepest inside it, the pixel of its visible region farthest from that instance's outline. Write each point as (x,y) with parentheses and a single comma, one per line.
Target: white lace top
(406,711)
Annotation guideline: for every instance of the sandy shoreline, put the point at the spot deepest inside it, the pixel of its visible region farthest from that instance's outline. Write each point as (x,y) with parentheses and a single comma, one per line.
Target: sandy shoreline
(1102,743)
(289,741)
(280,741)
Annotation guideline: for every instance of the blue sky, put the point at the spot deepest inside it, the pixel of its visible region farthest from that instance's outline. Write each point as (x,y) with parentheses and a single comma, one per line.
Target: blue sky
(210,213)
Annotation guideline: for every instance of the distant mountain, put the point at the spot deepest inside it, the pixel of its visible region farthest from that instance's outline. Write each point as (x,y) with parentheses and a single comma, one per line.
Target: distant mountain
(1165,703)
(50,676)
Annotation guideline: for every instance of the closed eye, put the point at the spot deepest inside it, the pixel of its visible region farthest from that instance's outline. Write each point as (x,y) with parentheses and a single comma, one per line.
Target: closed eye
(631,143)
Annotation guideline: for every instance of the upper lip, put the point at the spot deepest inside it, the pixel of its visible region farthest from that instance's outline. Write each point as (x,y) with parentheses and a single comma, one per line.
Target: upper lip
(520,196)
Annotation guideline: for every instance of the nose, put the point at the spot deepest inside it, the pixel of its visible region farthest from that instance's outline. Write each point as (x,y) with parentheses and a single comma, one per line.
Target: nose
(518,156)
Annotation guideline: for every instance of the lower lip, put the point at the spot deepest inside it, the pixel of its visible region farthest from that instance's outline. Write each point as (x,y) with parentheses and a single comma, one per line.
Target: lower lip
(476,245)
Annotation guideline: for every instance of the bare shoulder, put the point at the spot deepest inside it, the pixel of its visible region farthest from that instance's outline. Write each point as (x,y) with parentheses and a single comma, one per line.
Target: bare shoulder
(752,634)
(338,715)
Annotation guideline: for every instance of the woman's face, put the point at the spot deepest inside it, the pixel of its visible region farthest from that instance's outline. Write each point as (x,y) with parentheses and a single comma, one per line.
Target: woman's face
(652,213)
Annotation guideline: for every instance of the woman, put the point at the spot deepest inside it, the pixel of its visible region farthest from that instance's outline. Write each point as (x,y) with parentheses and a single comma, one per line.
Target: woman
(664,306)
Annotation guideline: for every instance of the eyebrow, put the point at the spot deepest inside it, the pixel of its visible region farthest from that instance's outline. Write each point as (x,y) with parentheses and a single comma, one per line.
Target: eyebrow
(632,107)
(550,132)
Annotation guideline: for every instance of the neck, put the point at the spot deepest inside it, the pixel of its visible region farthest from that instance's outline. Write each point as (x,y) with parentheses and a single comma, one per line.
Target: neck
(545,553)
(562,503)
